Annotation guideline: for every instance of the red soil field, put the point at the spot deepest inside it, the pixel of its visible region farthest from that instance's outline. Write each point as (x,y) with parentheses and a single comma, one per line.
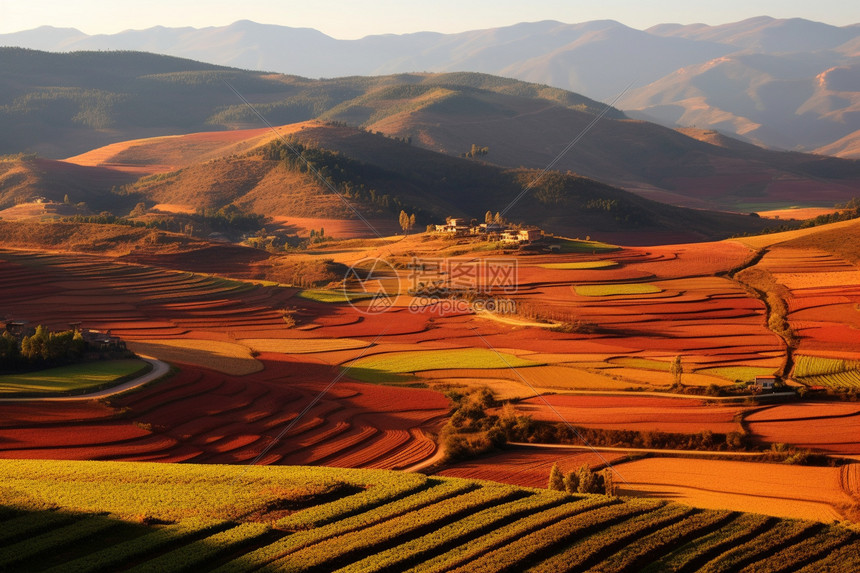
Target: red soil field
(823,297)
(633,413)
(204,416)
(160,154)
(798,492)
(527,467)
(830,427)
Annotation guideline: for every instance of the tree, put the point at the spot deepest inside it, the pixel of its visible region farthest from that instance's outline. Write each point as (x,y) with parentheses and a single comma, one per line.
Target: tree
(411,221)
(9,350)
(139,210)
(488,217)
(608,483)
(587,480)
(497,218)
(556,479)
(404,221)
(571,482)
(676,368)
(66,199)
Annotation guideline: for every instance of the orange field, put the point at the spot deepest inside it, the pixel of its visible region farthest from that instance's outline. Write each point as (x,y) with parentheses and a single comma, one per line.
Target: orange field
(831,427)
(641,413)
(824,294)
(817,493)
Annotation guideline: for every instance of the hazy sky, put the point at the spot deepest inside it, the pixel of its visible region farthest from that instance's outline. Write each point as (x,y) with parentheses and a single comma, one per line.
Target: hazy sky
(354,19)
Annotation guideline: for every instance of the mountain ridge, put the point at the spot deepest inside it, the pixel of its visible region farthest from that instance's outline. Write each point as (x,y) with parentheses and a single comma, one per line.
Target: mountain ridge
(598,59)
(99,98)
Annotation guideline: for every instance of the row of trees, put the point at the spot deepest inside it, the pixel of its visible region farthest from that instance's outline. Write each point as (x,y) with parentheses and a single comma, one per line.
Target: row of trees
(41,348)
(407,222)
(582,480)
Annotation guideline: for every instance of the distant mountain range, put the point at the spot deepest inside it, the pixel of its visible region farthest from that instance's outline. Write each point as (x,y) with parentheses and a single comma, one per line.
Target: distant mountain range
(788,84)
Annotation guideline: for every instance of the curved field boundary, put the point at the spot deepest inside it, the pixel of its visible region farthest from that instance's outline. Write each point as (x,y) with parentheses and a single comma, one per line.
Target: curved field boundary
(159,370)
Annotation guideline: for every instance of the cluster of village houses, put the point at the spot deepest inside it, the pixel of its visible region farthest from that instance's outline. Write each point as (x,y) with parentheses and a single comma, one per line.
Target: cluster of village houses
(462,227)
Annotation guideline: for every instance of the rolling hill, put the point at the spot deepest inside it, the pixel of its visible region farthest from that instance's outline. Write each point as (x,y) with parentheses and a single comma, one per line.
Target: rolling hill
(105,98)
(772,64)
(378,176)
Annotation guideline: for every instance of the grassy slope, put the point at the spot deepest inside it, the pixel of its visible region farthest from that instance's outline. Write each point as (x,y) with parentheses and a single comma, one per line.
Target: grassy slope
(69,378)
(223,516)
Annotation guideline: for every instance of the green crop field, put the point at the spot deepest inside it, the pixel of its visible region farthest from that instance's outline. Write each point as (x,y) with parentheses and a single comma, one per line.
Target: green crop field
(616,289)
(333,296)
(65,516)
(577,246)
(583,265)
(742,373)
(828,372)
(75,377)
(393,367)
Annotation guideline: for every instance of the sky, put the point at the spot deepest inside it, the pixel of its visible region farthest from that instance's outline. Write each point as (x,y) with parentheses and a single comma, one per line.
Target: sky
(350,19)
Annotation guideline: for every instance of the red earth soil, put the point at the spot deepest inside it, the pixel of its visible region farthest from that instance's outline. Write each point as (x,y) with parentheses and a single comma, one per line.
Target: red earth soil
(526,467)
(641,413)
(204,416)
(830,427)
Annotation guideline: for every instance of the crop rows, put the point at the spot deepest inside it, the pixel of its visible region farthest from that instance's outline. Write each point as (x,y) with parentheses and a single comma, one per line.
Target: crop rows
(806,551)
(588,551)
(547,539)
(503,535)
(53,540)
(111,558)
(697,553)
(783,533)
(190,557)
(389,533)
(435,492)
(850,379)
(806,366)
(451,534)
(846,558)
(368,521)
(642,550)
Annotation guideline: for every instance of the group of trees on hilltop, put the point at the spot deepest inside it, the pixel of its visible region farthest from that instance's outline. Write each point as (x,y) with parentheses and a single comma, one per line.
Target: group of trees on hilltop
(349,177)
(407,222)
(41,348)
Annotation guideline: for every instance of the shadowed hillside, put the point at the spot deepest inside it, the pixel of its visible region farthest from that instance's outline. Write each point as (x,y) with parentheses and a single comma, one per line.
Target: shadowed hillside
(123,96)
(759,79)
(379,176)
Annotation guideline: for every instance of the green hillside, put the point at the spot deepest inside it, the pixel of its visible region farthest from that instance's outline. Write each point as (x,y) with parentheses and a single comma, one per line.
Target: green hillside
(109,516)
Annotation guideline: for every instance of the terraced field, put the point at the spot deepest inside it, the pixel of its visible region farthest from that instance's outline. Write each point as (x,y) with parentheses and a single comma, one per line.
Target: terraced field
(94,516)
(255,387)
(824,294)
(231,400)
